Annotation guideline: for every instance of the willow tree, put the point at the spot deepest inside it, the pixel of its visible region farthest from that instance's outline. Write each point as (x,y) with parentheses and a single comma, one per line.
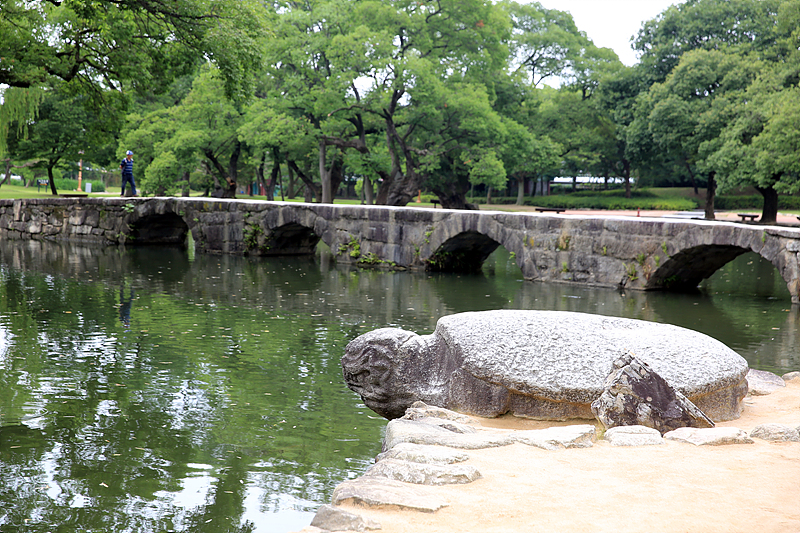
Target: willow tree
(105,51)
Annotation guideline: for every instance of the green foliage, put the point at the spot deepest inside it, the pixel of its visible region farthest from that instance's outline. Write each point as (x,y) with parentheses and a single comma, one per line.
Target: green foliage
(252,232)
(571,201)
(162,174)
(79,42)
(65,184)
(741,25)
(630,271)
(20,106)
(352,248)
(488,170)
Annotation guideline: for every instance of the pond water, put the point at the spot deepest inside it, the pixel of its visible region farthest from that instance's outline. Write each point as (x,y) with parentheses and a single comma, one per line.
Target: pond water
(152,390)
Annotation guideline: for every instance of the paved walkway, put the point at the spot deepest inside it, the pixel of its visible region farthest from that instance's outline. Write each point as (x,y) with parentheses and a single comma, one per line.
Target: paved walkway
(727,216)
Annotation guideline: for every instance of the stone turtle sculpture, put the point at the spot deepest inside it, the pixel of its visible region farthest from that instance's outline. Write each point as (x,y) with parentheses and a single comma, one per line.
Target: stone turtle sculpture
(546,365)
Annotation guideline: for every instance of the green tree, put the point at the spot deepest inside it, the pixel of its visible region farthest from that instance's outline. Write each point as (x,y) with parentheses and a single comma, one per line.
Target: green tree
(127,43)
(200,131)
(747,26)
(546,44)
(428,90)
(66,129)
(761,146)
(693,105)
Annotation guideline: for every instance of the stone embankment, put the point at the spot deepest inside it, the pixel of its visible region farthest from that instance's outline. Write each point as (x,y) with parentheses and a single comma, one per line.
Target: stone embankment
(430,452)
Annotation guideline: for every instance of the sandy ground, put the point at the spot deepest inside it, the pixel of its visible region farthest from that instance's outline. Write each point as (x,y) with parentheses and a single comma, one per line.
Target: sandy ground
(675,487)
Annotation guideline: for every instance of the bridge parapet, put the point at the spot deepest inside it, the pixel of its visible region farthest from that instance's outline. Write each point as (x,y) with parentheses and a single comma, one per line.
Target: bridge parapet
(636,253)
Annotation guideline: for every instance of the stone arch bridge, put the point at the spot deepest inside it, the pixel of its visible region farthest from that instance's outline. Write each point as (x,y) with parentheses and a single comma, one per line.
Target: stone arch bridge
(636,253)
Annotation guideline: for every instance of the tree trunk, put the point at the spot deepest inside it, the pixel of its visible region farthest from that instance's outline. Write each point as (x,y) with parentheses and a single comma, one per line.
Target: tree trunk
(454,197)
(50,178)
(220,191)
(710,193)
(291,190)
(691,176)
(769,214)
(369,193)
(312,189)
(260,182)
(8,173)
(336,173)
(520,190)
(626,175)
(324,175)
(273,179)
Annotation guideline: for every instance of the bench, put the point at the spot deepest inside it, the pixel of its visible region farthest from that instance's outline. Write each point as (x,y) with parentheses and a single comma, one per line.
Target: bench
(73,195)
(550,210)
(435,203)
(747,216)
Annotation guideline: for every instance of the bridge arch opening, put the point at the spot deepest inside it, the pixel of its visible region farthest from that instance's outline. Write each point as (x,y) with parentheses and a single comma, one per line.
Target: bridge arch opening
(749,276)
(167,228)
(289,239)
(464,252)
(685,270)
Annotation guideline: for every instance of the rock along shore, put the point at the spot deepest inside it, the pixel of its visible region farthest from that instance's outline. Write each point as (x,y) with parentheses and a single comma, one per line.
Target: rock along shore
(446,472)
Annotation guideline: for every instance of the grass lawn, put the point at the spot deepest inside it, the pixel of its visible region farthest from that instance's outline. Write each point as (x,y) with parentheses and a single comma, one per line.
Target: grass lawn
(13,191)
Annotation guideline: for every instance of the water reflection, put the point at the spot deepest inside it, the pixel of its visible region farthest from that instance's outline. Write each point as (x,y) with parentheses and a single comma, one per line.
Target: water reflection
(125,307)
(220,406)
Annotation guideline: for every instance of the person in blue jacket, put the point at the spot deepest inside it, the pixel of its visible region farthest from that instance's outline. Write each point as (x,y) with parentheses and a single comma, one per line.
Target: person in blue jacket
(127,172)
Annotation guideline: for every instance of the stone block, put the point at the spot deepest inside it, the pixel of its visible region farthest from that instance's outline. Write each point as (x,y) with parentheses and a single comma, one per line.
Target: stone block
(378,492)
(776,433)
(709,436)
(633,436)
(636,395)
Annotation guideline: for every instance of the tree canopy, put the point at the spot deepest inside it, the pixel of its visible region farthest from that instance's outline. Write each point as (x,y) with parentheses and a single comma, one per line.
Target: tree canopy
(404,95)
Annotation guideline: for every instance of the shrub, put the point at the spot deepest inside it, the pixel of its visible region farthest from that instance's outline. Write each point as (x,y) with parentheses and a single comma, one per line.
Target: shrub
(755,201)
(72,185)
(573,201)
(66,184)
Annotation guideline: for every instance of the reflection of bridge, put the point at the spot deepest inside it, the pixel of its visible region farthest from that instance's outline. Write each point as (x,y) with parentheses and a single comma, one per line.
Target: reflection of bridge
(638,253)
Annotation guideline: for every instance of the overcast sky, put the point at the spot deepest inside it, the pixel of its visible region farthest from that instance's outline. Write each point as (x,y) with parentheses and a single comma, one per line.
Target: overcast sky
(611,23)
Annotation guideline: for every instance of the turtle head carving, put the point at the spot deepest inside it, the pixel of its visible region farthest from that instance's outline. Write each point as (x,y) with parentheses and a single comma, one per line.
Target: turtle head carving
(373,365)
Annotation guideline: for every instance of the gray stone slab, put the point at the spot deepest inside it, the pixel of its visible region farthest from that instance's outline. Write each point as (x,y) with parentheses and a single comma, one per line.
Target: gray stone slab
(761,382)
(376,492)
(636,395)
(420,410)
(709,436)
(775,432)
(423,474)
(420,453)
(416,432)
(633,436)
(330,518)
(559,437)
(789,376)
